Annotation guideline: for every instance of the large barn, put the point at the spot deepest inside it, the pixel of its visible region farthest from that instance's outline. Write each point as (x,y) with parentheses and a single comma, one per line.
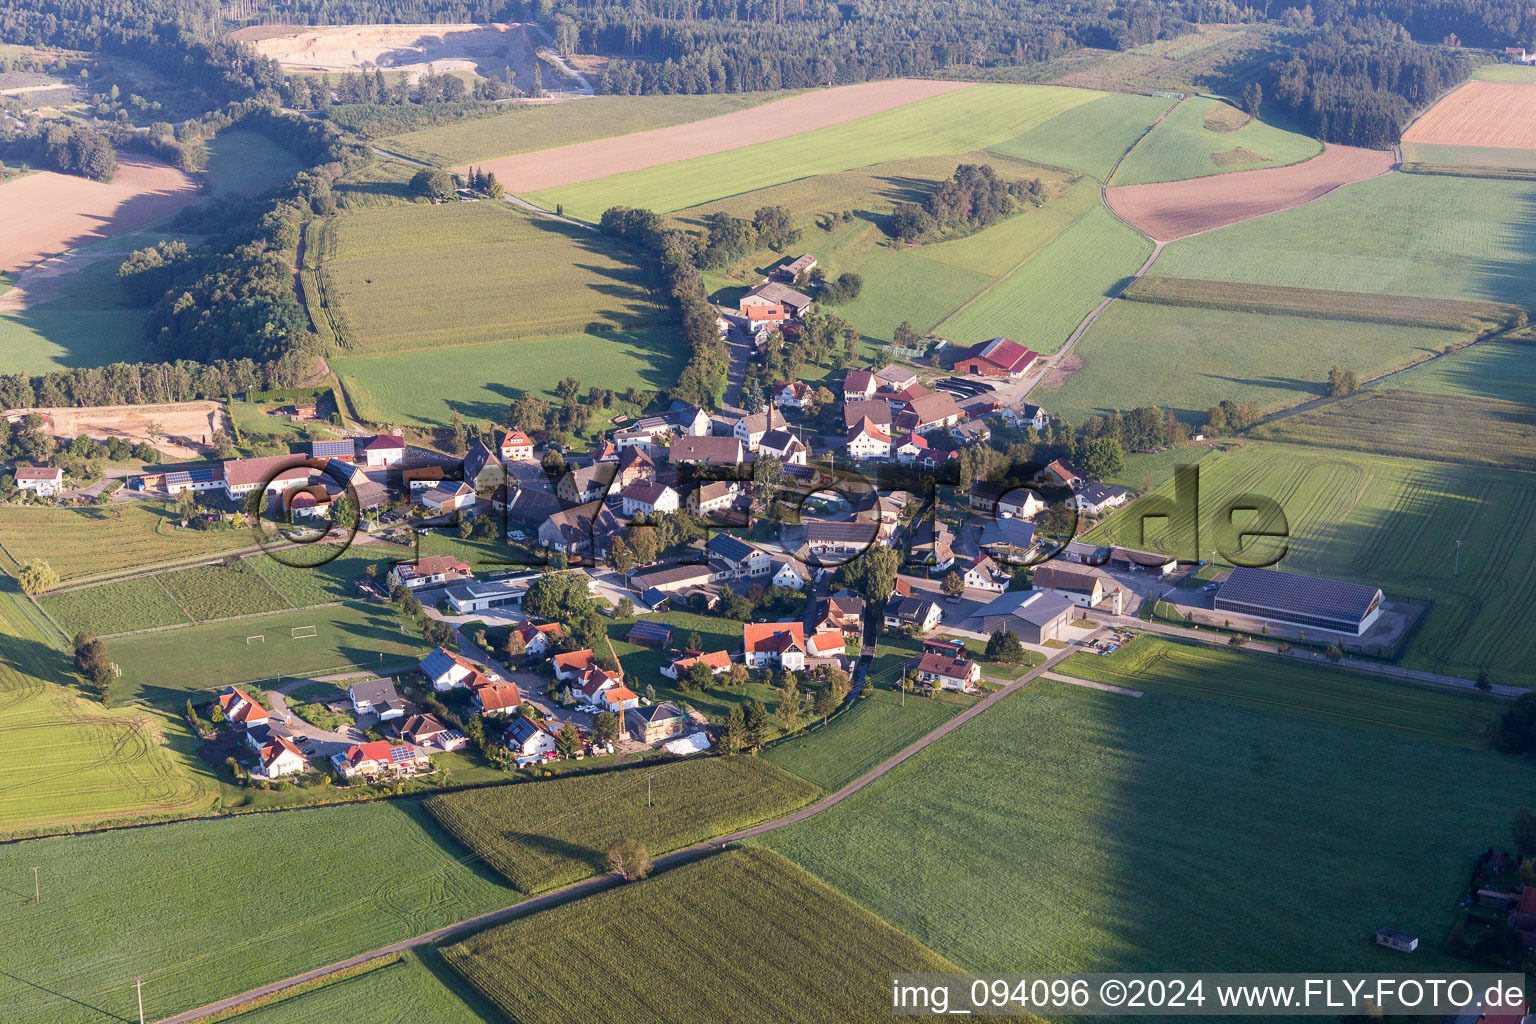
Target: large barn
(1349,608)
(996,358)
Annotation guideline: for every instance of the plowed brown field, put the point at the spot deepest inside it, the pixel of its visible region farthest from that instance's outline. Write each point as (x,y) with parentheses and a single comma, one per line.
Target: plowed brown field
(1500,114)
(47,213)
(1178,209)
(588,161)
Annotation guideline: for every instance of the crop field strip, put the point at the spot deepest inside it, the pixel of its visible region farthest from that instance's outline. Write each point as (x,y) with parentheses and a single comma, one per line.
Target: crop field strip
(958,122)
(417,879)
(1394,523)
(1401,310)
(1184,147)
(744,935)
(1183,801)
(1501,114)
(576,819)
(1090,138)
(86,542)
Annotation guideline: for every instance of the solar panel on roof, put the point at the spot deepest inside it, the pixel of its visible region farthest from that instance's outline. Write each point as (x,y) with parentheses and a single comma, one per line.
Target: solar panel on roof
(327,449)
(653,630)
(400,753)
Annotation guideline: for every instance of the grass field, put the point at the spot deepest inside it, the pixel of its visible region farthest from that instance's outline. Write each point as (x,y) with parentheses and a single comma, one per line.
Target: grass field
(222,906)
(166,667)
(866,733)
(82,321)
(1395,421)
(416,987)
(526,129)
(216,592)
(1401,310)
(1186,359)
(114,607)
(1294,687)
(1394,523)
(742,936)
(1095,831)
(1041,303)
(86,541)
(1400,234)
(425,388)
(248,163)
(1186,145)
(1426,156)
(67,760)
(956,122)
(419,277)
(1501,370)
(546,834)
(1505,73)
(1090,138)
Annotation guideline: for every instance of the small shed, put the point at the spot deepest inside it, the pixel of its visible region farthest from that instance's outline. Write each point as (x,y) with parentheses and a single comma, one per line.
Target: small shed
(649,634)
(1394,939)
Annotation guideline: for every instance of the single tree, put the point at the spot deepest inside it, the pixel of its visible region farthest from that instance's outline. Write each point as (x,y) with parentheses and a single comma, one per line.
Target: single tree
(826,702)
(953,585)
(630,859)
(789,704)
(758,723)
(36,577)
(733,737)
(568,739)
(605,727)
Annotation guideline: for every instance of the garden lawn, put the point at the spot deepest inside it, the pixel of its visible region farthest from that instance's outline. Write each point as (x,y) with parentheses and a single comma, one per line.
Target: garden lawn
(114,607)
(168,666)
(1294,687)
(1186,359)
(87,541)
(1042,302)
(247,163)
(216,592)
(66,759)
(1085,828)
(642,665)
(1391,523)
(191,908)
(865,733)
(1091,138)
(425,388)
(1399,234)
(423,276)
(1182,146)
(544,834)
(957,122)
(741,936)
(524,129)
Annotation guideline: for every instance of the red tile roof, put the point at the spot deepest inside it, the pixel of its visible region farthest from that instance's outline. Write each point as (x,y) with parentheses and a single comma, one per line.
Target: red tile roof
(498,696)
(773,636)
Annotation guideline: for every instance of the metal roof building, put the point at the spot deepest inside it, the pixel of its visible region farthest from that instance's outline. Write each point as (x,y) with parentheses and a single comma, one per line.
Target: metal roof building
(1300,600)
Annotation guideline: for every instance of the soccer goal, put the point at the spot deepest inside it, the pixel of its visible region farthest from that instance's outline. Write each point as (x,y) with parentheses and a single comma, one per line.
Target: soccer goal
(302,632)
(259,638)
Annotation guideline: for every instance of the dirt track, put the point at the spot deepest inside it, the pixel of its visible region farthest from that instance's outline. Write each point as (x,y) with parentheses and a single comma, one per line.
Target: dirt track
(1177,209)
(184,426)
(1498,114)
(588,161)
(47,213)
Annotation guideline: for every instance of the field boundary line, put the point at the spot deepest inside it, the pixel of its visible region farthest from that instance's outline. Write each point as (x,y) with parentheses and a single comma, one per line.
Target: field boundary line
(214,622)
(184,609)
(598,883)
(1129,149)
(58,629)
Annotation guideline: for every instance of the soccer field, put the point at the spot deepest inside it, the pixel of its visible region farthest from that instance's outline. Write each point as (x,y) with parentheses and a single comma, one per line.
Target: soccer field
(1095,831)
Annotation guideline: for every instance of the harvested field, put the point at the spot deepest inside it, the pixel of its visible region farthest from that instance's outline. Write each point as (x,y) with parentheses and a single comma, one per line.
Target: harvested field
(184,427)
(1178,209)
(1499,114)
(46,213)
(1402,310)
(588,161)
(483,49)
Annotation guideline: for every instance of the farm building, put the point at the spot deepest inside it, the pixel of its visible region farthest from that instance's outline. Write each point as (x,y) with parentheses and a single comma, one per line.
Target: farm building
(775,294)
(1349,608)
(1132,560)
(384,450)
(1034,616)
(178,480)
(447,496)
(673,579)
(1085,587)
(482,469)
(794,268)
(711,451)
(996,358)
(646,633)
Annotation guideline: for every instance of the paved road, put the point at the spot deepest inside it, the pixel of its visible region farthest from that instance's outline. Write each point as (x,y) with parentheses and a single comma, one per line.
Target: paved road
(601,882)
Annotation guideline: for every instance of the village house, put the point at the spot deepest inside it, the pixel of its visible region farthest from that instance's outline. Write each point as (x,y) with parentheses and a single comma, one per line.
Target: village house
(308,502)
(774,645)
(788,572)
(1010,539)
(537,638)
(826,644)
(775,294)
(516,446)
(580,531)
(719,663)
(496,698)
(739,560)
(587,687)
(422,478)
(847,538)
(572,664)
(423,730)
(784,446)
(932,459)
(446,670)
(1085,587)
(378,758)
(376,697)
(996,358)
(894,378)
(859,385)
(586,483)
(974,432)
(649,498)
(635,465)
(1096,498)
(985,574)
(913,613)
(715,496)
(945,672)
(751,428)
(933,545)
(482,470)
(240,709)
(656,722)
(791,394)
(927,413)
(434,570)
(844,612)
(867,441)
(908,447)
(279,757)
(1027,415)
(618,699)
(710,451)
(875,410)
(529,737)
(447,496)
(1063,472)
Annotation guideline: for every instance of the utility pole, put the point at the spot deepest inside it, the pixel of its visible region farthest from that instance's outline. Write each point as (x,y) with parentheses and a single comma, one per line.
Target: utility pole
(37,892)
(138,983)
(1458,558)
(648,777)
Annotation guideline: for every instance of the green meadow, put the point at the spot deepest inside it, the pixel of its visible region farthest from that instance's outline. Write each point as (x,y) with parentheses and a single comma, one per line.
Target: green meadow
(1205,136)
